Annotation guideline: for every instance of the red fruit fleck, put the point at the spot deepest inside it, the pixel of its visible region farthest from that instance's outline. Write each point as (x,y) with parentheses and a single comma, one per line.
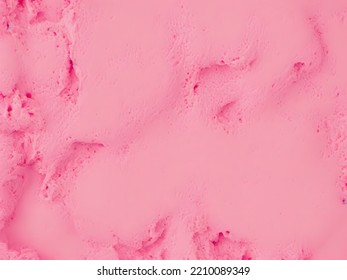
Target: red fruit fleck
(298,66)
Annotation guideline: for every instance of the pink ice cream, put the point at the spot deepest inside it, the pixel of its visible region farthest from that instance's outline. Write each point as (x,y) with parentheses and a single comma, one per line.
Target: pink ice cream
(173,129)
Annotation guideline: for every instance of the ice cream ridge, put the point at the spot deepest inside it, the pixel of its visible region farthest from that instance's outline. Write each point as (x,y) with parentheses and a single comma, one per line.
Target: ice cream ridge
(173,129)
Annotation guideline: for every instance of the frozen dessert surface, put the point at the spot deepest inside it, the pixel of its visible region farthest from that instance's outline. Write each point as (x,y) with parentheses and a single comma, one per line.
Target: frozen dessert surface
(173,129)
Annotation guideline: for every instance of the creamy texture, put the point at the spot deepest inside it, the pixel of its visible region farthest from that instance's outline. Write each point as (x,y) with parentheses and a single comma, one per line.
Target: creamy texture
(173,129)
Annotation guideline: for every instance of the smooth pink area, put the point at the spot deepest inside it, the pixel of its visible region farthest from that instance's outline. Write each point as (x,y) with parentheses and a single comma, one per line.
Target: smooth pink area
(173,129)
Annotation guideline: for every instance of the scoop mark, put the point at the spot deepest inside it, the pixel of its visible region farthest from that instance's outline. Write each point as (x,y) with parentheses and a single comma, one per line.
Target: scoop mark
(220,246)
(76,156)
(70,91)
(152,246)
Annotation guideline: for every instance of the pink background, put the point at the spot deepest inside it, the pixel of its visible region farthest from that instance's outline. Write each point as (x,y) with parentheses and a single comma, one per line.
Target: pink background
(173,129)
